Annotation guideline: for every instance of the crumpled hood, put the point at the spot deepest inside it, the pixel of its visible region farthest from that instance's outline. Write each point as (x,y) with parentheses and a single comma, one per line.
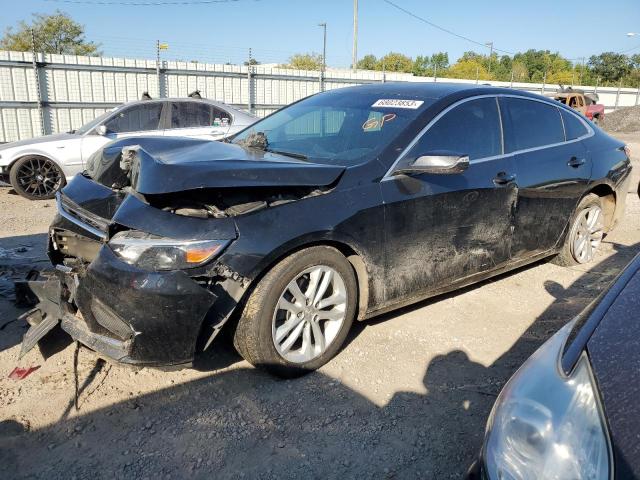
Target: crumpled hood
(34,141)
(159,165)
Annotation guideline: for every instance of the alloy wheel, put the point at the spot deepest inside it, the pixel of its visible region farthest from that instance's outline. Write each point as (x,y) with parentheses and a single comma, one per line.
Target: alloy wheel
(309,315)
(587,234)
(39,177)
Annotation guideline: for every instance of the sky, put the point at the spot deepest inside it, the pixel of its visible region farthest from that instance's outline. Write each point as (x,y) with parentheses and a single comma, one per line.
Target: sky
(276,29)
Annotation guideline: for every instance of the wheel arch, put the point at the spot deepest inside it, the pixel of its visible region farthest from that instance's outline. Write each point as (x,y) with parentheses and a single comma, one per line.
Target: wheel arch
(609,200)
(345,248)
(351,252)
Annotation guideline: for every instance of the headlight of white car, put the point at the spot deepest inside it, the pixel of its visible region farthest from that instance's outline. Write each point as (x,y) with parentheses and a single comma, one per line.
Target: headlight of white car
(546,425)
(157,253)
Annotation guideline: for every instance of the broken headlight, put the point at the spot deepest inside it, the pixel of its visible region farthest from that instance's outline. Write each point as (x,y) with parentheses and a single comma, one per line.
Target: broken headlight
(548,425)
(157,253)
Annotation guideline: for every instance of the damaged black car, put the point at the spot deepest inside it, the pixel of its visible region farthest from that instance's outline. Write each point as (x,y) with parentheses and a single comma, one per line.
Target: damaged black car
(342,206)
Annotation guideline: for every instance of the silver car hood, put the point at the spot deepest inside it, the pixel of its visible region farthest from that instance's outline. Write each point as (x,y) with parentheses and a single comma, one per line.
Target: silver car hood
(34,141)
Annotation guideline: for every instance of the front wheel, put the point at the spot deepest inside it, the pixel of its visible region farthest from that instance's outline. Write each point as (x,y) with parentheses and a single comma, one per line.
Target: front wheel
(36,178)
(585,234)
(299,314)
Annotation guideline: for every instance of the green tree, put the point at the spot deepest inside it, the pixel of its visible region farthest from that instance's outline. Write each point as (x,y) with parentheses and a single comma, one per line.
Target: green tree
(253,61)
(306,61)
(440,61)
(541,62)
(610,66)
(421,66)
(520,72)
(56,33)
(368,62)
(395,62)
(468,69)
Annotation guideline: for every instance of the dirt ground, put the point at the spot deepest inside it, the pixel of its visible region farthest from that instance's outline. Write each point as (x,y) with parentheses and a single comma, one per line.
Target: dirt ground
(408,397)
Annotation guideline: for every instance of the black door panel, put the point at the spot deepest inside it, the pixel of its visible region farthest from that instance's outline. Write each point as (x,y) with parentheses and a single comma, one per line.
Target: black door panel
(441,228)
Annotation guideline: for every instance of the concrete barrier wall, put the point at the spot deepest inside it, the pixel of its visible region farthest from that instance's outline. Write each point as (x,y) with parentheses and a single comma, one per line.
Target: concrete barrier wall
(57,93)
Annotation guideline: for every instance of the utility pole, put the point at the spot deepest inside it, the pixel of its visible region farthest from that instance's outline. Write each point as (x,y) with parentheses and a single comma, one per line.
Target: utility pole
(354,59)
(490,45)
(324,55)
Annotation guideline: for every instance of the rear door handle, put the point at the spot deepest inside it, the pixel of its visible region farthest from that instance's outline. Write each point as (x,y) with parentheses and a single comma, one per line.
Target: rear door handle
(504,178)
(575,162)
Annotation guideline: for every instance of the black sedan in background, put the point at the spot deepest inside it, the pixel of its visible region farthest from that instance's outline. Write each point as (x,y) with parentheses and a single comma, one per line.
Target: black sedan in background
(571,411)
(341,206)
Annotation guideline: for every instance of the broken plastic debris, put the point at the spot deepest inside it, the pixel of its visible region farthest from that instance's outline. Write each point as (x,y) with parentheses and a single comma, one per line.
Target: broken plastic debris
(22,373)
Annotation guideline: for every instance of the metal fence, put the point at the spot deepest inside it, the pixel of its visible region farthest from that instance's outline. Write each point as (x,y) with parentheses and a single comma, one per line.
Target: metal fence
(42,94)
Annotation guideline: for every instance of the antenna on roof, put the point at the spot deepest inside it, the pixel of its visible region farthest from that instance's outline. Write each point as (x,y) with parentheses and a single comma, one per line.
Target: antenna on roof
(146,96)
(195,94)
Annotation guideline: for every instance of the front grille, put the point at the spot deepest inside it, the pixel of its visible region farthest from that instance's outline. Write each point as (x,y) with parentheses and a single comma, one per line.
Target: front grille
(90,222)
(84,215)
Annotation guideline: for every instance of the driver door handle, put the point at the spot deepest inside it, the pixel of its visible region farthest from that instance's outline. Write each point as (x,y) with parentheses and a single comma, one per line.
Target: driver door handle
(504,178)
(575,162)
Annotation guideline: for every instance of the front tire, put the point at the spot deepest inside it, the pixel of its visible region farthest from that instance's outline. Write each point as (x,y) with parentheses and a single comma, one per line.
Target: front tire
(299,314)
(586,231)
(36,178)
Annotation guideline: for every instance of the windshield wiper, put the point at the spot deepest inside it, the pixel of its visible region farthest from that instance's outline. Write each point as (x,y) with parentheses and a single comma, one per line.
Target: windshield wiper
(287,154)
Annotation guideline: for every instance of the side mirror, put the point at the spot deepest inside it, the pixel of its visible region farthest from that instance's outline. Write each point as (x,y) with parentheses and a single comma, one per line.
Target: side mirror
(438,163)
(101,130)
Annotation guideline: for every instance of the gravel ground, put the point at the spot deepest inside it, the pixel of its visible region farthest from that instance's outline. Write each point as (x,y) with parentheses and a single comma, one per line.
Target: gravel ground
(408,397)
(623,120)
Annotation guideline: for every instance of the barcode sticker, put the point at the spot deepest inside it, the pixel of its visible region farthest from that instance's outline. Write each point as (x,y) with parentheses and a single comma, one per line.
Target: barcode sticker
(394,103)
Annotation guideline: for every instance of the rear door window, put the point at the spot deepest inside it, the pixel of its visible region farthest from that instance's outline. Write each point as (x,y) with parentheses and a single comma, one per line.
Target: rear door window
(137,118)
(531,124)
(471,128)
(195,114)
(573,127)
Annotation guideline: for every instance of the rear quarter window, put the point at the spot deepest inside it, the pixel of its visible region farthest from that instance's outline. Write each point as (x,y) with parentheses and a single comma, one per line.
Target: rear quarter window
(573,127)
(530,124)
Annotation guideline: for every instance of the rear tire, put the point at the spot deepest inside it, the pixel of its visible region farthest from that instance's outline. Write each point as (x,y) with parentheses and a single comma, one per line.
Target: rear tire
(36,178)
(586,231)
(290,324)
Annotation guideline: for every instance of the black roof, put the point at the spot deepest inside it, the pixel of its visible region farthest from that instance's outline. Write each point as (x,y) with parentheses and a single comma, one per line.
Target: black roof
(432,90)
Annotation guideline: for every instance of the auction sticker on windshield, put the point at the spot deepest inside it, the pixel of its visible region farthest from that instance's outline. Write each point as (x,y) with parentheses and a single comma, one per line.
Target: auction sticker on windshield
(395,103)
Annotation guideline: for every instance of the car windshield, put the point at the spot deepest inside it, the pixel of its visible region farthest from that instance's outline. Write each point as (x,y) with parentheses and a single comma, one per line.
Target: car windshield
(339,127)
(94,123)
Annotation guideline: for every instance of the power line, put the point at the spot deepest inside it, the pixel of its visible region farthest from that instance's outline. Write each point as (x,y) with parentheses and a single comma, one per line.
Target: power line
(143,3)
(630,49)
(424,20)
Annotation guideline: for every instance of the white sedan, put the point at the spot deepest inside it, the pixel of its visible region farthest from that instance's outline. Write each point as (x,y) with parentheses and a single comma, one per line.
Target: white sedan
(39,167)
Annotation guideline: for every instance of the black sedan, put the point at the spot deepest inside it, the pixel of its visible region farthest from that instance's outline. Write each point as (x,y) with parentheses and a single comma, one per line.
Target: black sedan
(571,411)
(339,207)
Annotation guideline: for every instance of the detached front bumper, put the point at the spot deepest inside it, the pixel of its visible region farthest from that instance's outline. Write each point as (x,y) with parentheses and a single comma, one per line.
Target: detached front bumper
(127,314)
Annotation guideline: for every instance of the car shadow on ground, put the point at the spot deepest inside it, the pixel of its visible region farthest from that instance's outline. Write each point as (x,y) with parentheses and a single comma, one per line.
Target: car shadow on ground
(244,423)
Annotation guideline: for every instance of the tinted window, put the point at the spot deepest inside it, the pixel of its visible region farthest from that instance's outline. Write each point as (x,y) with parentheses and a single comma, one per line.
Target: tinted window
(138,118)
(472,128)
(573,127)
(532,124)
(194,114)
